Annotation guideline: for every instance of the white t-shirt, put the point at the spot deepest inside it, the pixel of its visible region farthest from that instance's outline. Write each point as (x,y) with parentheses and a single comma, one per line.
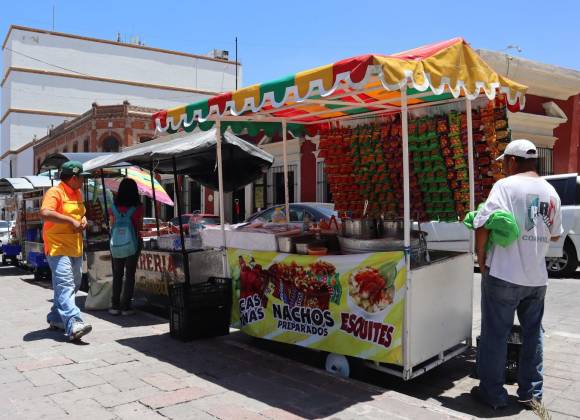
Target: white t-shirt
(536,206)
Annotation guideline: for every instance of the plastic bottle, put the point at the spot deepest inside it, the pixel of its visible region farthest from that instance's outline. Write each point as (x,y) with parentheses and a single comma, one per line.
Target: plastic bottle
(278,216)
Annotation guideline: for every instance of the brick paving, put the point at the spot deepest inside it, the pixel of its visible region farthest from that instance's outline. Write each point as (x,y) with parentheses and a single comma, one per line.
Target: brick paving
(129,368)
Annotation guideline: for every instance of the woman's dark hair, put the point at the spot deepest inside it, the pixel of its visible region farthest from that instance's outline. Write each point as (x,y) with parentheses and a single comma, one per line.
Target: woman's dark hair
(128,194)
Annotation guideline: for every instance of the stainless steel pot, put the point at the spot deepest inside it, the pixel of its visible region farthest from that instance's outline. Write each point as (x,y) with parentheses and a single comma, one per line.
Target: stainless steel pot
(392,228)
(359,228)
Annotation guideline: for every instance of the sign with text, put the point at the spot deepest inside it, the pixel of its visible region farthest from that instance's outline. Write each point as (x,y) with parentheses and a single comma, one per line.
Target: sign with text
(346,304)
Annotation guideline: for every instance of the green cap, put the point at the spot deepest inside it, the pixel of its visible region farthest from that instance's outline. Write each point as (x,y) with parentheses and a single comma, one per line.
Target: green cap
(73,167)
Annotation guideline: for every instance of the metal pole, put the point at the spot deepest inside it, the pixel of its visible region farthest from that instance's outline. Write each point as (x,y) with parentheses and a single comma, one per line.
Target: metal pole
(105,204)
(181,233)
(406,188)
(407,368)
(285,154)
(154,198)
(218,134)
(24,239)
(470,166)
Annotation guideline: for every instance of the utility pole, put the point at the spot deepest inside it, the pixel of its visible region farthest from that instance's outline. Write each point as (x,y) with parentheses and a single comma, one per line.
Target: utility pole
(53,7)
(236,63)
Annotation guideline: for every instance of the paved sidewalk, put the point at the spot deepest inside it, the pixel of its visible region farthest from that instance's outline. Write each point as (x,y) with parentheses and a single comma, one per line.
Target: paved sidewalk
(130,368)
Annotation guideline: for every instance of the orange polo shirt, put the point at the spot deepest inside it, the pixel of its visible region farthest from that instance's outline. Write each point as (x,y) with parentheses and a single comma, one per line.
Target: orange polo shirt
(60,238)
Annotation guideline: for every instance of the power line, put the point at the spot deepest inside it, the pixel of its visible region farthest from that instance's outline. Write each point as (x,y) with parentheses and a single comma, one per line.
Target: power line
(47,63)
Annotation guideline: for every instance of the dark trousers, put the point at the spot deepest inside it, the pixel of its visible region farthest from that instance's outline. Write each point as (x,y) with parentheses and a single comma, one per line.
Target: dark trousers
(500,300)
(124,267)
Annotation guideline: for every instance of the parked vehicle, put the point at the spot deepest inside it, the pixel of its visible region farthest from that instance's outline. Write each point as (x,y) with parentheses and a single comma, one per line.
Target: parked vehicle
(315,212)
(5,232)
(563,255)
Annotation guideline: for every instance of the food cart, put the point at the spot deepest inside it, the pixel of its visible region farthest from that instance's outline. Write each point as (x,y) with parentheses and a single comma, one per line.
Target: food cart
(401,132)
(28,191)
(96,263)
(178,258)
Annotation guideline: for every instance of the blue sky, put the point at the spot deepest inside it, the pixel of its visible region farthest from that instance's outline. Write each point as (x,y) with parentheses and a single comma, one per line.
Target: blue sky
(277,38)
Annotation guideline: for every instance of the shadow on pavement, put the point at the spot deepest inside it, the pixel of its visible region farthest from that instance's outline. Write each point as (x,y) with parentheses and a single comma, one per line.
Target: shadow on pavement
(51,334)
(129,321)
(45,334)
(231,363)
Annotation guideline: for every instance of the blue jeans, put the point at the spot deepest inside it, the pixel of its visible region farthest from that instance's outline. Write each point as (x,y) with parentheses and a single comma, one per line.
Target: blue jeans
(66,279)
(499,301)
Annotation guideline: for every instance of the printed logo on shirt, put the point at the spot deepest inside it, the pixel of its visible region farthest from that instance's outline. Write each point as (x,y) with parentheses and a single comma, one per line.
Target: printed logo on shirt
(536,208)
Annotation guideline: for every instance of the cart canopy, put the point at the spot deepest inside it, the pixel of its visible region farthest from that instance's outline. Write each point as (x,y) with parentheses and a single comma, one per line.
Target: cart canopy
(12,185)
(195,155)
(40,181)
(356,86)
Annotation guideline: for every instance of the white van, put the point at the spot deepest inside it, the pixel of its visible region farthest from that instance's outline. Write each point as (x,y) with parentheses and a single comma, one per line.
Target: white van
(563,255)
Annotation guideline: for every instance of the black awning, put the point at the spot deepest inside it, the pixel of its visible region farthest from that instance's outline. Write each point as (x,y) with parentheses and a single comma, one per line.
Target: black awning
(195,155)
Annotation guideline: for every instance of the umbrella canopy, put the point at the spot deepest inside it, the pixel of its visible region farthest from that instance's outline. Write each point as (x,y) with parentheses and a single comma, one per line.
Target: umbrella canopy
(143,181)
(354,86)
(195,155)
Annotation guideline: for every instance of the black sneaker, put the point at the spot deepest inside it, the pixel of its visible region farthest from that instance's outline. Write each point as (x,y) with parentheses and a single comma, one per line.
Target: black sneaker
(477,395)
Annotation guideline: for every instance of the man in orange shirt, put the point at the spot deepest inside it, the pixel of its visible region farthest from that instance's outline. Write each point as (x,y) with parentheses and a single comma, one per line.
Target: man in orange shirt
(63,213)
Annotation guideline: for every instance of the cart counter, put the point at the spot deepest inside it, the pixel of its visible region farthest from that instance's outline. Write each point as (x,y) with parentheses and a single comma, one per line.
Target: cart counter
(156,270)
(362,305)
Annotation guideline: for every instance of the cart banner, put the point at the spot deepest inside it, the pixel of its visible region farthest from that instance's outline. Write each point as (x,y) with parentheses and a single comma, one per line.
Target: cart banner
(346,304)
(156,270)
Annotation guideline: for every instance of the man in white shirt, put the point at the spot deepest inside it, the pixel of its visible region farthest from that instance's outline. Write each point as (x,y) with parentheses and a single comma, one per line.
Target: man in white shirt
(515,278)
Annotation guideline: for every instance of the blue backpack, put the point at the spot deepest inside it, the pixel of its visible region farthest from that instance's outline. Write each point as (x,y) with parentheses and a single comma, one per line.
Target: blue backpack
(123,237)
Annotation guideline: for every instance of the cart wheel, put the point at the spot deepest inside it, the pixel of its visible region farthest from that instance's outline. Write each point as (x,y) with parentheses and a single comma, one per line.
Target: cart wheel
(37,276)
(337,364)
(3,260)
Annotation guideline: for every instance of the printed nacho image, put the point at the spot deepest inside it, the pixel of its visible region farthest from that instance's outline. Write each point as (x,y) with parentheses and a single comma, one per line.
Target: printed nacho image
(347,304)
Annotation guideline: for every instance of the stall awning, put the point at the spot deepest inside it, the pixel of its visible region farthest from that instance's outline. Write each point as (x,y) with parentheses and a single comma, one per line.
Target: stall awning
(12,185)
(356,86)
(39,181)
(56,160)
(195,155)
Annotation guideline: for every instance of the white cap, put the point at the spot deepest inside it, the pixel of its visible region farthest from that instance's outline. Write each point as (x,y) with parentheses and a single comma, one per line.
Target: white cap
(522,148)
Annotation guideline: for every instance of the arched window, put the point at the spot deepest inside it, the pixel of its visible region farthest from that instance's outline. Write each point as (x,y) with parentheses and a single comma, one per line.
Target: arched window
(111,144)
(86,145)
(75,147)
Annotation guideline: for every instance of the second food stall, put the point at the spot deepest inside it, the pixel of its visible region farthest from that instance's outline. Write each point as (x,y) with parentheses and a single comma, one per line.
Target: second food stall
(382,298)
(178,258)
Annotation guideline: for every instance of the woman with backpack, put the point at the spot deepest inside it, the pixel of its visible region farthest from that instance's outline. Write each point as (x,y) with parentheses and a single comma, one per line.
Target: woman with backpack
(126,244)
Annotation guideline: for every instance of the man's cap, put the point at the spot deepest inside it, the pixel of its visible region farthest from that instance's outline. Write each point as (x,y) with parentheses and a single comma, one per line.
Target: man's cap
(73,167)
(521,148)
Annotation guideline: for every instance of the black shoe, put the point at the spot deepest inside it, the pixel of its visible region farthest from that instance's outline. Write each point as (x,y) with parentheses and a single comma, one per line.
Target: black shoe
(477,394)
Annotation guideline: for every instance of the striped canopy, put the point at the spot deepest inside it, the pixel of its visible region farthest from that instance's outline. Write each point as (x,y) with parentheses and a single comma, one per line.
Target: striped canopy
(357,86)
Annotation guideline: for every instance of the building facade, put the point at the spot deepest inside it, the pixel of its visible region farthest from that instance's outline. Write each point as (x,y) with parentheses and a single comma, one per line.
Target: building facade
(551,117)
(110,128)
(51,77)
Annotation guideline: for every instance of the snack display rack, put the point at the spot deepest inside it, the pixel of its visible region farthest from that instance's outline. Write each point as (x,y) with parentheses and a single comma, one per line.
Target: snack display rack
(387,157)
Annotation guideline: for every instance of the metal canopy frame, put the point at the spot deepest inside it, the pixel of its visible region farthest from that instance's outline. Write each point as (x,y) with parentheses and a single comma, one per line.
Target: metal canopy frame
(404,109)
